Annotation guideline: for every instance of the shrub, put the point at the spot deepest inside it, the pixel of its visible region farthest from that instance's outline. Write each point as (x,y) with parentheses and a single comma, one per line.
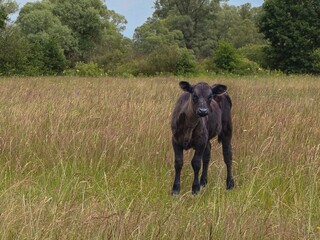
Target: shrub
(45,58)
(14,52)
(85,70)
(166,60)
(246,67)
(227,60)
(186,63)
(316,61)
(255,53)
(136,67)
(162,60)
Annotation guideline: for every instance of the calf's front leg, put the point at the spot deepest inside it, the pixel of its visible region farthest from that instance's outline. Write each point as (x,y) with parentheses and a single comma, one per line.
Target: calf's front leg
(196,165)
(205,160)
(178,163)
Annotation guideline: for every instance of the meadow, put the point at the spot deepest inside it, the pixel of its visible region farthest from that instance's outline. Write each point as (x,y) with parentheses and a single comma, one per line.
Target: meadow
(91,158)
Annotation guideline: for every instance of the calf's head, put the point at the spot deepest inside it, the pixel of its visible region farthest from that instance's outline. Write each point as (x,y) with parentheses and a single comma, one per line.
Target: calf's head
(201,95)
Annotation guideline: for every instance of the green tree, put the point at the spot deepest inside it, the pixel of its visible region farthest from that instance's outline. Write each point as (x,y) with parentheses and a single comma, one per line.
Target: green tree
(88,20)
(14,53)
(36,20)
(112,51)
(6,7)
(238,25)
(198,25)
(83,30)
(316,61)
(255,53)
(45,57)
(169,59)
(227,60)
(3,17)
(196,19)
(293,30)
(155,33)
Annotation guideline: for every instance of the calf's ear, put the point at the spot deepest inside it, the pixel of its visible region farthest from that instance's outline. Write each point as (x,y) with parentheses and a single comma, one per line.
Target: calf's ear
(185,86)
(218,89)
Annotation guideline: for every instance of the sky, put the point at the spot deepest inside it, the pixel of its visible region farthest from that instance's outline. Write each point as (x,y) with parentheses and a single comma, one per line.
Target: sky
(137,11)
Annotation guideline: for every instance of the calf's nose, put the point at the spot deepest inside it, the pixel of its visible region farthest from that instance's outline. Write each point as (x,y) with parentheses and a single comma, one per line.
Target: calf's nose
(203,112)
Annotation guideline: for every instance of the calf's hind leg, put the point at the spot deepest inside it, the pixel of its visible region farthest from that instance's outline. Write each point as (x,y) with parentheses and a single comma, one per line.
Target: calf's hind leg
(227,157)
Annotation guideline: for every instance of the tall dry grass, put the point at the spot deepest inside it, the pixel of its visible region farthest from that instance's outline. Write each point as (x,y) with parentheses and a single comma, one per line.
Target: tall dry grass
(84,158)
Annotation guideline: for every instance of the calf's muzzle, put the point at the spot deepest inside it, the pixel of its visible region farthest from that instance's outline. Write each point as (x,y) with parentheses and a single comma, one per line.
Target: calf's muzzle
(202,112)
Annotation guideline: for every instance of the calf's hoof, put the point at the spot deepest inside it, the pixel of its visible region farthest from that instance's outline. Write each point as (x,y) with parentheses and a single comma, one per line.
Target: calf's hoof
(175,192)
(230,184)
(203,182)
(195,189)
(175,189)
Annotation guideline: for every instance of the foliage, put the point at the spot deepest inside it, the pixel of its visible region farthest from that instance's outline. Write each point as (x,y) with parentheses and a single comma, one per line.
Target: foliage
(255,53)
(195,19)
(238,25)
(202,23)
(14,53)
(6,7)
(185,63)
(3,16)
(113,51)
(36,56)
(86,19)
(85,70)
(227,60)
(293,29)
(183,37)
(45,58)
(37,21)
(246,67)
(152,35)
(316,60)
(165,59)
(244,33)
(79,28)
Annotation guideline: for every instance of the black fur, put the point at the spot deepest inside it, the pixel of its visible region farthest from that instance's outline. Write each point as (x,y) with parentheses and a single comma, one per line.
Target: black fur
(200,114)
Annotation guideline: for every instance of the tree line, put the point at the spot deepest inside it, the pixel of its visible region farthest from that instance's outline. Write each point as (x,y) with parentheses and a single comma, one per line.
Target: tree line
(183,37)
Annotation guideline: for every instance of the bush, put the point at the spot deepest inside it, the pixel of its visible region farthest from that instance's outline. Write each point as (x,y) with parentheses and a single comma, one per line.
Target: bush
(255,53)
(85,70)
(14,52)
(246,67)
(166,60)
(227,60)
(45,58)
(316,61)
(186,63)
(162,60)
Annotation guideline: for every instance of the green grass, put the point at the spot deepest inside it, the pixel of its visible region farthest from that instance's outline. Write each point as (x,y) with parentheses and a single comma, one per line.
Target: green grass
(91,158)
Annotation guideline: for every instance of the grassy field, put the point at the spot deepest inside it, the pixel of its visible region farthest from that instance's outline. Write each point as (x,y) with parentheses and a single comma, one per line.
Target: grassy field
(86,158)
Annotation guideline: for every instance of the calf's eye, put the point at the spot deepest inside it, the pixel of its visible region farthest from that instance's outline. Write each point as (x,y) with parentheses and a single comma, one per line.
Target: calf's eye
(195,97)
